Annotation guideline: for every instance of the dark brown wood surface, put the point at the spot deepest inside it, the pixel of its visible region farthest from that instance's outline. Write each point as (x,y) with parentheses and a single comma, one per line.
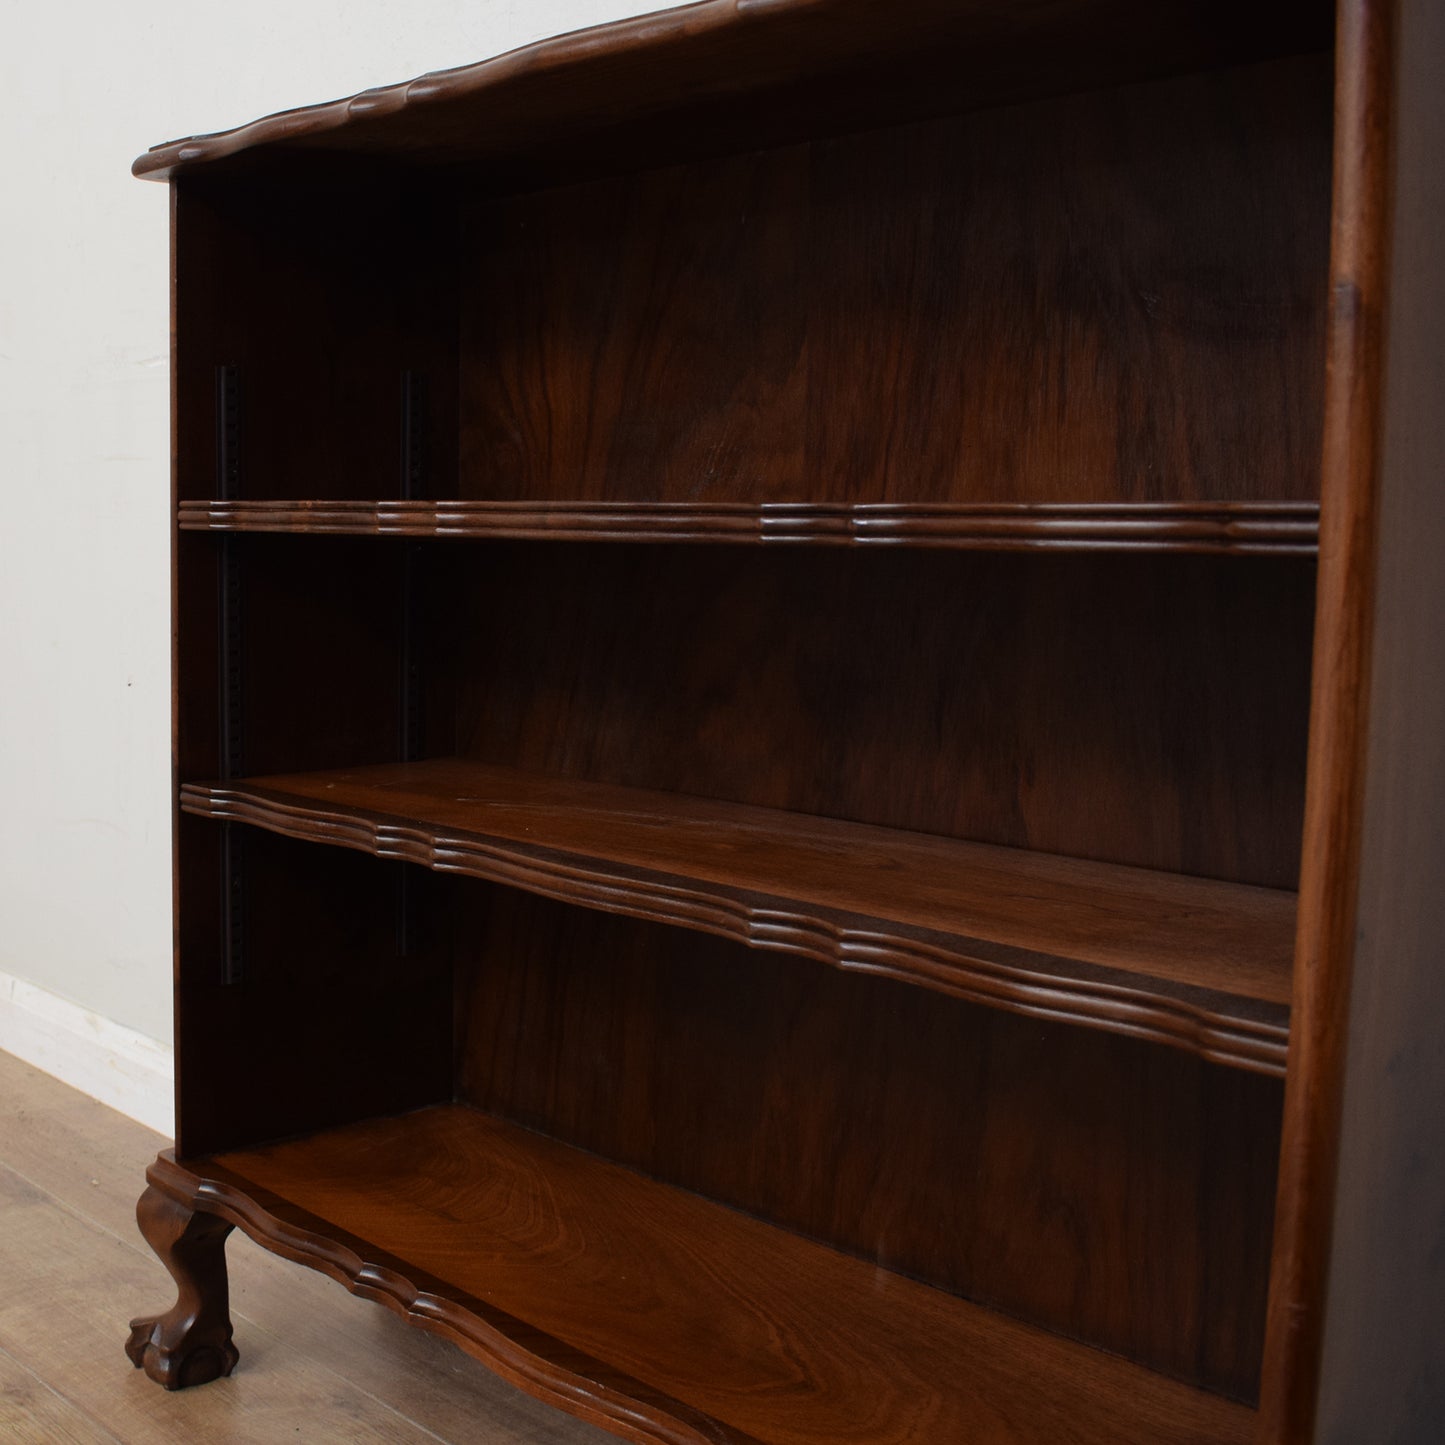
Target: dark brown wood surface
(1148,711)
(1357,1331)
(320,291)
(775,1338)
(1181,960)
(190,1343)
(1110,297)
(1382,1365)
(705,76)
(1108,1189)
(999,284)
(1238,528)
(330,1021)
(1339,723)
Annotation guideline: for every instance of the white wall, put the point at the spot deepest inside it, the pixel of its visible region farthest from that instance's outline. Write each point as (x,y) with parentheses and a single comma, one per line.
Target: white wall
(84,616)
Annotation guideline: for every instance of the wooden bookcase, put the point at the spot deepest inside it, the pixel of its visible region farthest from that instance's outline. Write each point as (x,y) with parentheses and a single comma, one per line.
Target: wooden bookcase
(746,585)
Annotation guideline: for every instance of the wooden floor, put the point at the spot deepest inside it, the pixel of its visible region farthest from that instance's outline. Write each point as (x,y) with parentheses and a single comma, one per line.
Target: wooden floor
(316,1364)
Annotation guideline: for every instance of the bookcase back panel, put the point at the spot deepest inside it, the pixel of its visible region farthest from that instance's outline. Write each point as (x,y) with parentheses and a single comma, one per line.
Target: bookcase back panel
(1137,710)
(1115,1191)
(1109,296)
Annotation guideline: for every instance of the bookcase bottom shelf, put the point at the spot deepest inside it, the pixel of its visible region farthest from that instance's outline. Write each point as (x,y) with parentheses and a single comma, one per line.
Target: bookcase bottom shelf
(661,1315)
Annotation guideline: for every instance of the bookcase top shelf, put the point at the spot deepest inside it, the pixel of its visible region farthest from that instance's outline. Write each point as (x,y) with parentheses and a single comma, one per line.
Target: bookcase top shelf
(729,74)
(1287,528)
(1196,963)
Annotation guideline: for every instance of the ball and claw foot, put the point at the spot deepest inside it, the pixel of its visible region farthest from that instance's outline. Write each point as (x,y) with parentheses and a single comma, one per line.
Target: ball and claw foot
(190,1344)
(177,1364)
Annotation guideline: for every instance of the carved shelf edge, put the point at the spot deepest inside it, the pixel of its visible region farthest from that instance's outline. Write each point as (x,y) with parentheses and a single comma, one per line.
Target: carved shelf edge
(1269,528)
(1228,1029)
(558,52)
(590,1390)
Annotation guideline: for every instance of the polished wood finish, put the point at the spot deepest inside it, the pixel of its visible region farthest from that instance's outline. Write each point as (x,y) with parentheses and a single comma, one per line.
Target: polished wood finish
(1355,1324)
(190,1344)
(1338,729)
(307,1002)
(1179,748)
(722,332)
(898,689)
(1109,297)
(841,1105)
(348,311)
(987,340)
(1199,964)
(663,1315)
(1265,528)
(1383,1355)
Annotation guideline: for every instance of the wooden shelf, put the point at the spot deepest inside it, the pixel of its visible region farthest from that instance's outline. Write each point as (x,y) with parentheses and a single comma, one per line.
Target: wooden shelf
(1195,963)
(663,1315)
(1232,527)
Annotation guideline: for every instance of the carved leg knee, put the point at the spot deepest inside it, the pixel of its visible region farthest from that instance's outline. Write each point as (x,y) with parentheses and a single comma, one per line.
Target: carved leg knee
(191,1342)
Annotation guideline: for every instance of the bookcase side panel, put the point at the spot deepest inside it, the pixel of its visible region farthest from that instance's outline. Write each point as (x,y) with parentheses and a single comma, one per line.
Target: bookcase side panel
(328,293)
(284,658)
(336,1013)
(312,985)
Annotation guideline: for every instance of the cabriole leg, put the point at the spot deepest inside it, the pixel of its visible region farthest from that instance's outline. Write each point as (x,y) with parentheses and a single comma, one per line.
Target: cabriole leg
(191,1343)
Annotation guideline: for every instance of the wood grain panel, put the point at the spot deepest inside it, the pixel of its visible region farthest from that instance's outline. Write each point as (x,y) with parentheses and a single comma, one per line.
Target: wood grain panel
(1111,1190)
(1236,528)
(734,1330)
(1112,297)
(1134,710)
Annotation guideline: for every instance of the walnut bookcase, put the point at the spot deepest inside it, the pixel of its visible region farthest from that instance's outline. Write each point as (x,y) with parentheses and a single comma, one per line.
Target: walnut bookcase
(745,592)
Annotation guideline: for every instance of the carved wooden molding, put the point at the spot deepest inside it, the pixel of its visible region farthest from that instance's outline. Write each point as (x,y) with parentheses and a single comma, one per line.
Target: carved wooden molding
(1268,528)
(529,62)
(1230,1029)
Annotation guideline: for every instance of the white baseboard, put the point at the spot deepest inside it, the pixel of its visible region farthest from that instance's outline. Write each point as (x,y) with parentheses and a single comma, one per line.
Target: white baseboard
(130,1072)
